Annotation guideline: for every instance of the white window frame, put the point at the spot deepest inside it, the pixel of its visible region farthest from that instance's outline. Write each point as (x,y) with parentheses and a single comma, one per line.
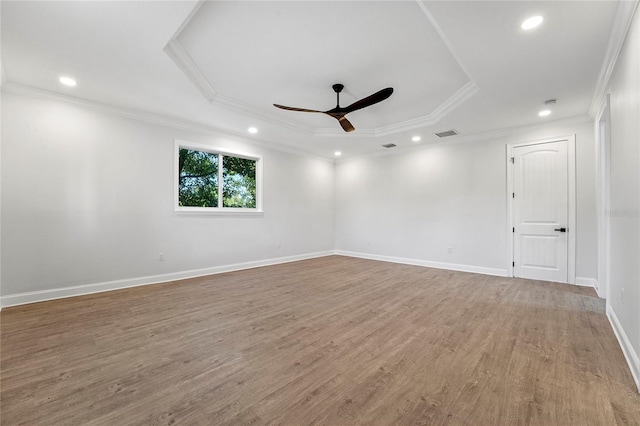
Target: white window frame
(225,211)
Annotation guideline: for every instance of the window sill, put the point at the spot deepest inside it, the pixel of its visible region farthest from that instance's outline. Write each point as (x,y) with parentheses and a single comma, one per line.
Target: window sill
(228,212)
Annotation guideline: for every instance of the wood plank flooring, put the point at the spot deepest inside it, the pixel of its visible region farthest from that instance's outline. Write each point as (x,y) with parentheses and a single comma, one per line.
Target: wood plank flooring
(327,341)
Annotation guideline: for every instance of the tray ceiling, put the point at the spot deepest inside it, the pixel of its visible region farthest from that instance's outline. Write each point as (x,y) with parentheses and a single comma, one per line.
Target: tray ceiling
(220,65)
(255,54)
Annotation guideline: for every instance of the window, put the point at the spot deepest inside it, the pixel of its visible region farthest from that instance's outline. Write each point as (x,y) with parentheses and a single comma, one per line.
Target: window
(216,181)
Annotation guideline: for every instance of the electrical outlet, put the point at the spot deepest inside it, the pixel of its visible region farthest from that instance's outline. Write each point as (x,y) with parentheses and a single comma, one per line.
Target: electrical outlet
(278,245)
(450,250)
(160,257)
(369,243)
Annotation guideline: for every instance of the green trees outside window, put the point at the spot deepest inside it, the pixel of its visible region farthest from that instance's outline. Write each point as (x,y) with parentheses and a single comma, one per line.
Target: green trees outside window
(207,179)
(238,182)
(198,179)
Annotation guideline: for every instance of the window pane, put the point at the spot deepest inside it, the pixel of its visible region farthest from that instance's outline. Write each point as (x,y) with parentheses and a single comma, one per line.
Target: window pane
(198,179)
(239,182)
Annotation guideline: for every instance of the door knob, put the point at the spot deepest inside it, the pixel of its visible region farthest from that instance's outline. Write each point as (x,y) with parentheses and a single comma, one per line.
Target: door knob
(561,229)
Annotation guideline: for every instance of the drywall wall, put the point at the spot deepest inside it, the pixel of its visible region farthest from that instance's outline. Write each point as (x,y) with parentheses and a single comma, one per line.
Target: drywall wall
(87,197)
(419,203)
(1,83)
(623,304)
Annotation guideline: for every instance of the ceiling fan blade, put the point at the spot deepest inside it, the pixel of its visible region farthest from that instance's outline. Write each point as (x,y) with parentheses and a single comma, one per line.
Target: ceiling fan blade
(295,109)
(346,125)
(369,100)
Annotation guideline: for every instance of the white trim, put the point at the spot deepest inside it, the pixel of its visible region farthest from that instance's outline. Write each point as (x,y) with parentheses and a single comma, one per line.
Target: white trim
(523,130)
(178,54)
(181,58)
(183,61)
(572,234)
(603,148)
(266,115)
(587,282)
(627,349)
(426,263)
(455,100)
(519,131)
(571,224)
(194,11)
(60,293)
(181,124)
(619,30)
(152,118)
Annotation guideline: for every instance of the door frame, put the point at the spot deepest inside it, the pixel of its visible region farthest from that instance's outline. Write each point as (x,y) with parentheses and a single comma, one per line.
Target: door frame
(603,164)
(571,180)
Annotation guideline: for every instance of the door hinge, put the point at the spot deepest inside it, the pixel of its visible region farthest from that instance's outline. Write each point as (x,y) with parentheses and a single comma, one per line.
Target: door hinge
(513,195)
(513,263)
(513,160)
(514,229)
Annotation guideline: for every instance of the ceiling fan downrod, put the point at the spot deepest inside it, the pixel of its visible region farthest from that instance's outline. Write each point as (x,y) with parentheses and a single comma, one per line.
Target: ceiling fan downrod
(338,88)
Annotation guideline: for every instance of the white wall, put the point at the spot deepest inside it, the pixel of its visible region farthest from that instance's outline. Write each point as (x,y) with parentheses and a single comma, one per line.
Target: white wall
(87,197)
(415,204)
(624,89)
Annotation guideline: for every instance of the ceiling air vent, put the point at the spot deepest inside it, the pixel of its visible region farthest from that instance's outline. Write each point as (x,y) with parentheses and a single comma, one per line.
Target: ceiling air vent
(389,145)
(446,134)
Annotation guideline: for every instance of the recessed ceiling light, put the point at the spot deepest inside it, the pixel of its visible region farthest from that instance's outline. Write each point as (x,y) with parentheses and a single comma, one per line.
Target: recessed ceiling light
(544,112)
(68,81)
(337,153)
(416,138)
(252,130)
(532,22)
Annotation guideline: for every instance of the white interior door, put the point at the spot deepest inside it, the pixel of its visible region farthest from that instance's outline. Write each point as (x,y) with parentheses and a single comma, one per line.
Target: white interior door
(541,211)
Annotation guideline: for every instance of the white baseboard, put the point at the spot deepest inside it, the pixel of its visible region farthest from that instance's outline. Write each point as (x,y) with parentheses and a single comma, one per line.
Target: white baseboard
(429,264)
(39,296)
(59,293)
(587,282)
(629,353)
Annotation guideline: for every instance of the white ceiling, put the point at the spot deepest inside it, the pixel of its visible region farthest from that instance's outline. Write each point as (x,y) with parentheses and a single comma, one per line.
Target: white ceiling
(453,64)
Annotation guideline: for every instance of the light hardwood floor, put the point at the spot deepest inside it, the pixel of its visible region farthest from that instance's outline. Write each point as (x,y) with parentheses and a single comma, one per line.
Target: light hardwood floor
(328,341)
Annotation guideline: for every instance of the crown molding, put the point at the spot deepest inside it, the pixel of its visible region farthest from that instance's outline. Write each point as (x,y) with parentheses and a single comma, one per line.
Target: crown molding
(185,63)
(619,30)
(179,55)
(194,12)
(522,130)
(457,99)
(181,58)
(246,109)
(152,118)
(477,137)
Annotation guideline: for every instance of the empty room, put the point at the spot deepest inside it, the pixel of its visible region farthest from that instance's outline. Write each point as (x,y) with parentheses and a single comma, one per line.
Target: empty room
(320,213)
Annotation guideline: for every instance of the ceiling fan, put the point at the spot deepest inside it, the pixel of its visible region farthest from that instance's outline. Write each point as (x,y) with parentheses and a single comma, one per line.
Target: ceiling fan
(339,113)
